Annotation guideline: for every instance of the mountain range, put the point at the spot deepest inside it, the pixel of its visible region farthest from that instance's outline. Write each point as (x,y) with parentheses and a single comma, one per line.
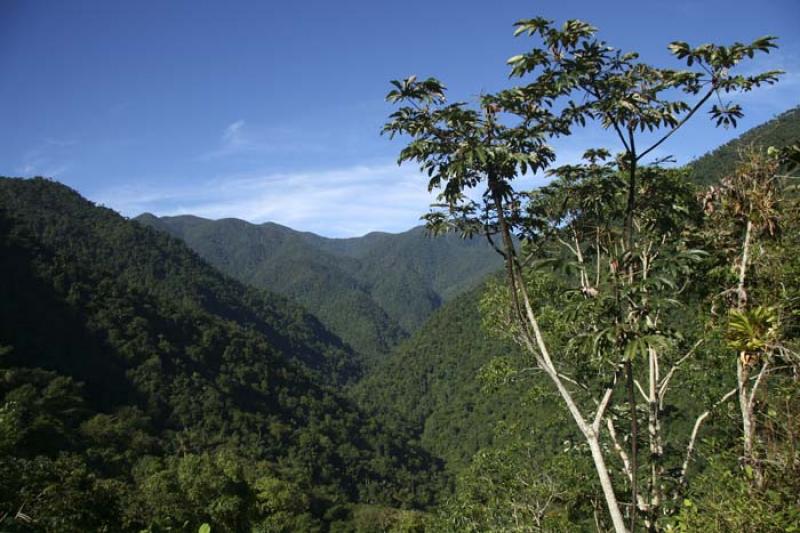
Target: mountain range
(135,374)
(372,291)
(376,290)
(433,379)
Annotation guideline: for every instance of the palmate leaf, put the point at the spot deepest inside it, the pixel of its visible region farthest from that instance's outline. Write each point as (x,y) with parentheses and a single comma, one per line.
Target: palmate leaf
(679,49)
(430,90)
(531,26)
(726,115)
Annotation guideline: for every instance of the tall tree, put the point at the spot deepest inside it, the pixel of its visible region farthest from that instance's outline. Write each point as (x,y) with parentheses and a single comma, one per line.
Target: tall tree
(571,79)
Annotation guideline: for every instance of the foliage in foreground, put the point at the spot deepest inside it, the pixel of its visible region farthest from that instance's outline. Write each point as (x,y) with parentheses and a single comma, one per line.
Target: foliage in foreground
(629,232)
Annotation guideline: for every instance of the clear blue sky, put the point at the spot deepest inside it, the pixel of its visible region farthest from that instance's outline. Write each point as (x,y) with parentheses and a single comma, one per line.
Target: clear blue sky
(270,110)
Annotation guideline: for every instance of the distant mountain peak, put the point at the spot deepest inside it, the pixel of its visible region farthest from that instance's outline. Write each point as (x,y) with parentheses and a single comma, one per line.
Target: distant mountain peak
(371,290)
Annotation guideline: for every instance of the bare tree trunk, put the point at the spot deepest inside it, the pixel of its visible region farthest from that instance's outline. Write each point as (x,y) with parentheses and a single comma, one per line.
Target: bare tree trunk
(741,292)
(743,362)
(634,443)
(605,482)
(630,211)
(742,377)
(747,398)
(654,434)
(538,348)
(591,432)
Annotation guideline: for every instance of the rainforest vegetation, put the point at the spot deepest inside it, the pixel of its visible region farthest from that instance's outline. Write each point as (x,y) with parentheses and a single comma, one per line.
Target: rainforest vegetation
(614,351)
(372,291)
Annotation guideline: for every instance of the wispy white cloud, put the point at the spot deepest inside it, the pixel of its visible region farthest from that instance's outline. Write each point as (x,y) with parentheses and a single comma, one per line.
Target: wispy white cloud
(347,201)
(343,202)
(232,136)
(354,200)
(241,139)
(232,141)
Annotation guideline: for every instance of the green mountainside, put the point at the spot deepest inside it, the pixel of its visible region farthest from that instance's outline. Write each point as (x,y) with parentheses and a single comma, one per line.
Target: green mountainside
(780,131)
(136,377)
(433,381)
(498,438)
(372,291)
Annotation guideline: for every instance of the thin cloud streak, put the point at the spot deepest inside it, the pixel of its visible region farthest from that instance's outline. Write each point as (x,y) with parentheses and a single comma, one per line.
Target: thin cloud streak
(50,158)
(343,202)
(240,139)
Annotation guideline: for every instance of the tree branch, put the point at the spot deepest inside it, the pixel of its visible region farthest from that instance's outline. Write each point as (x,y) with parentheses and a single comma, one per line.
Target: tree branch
(574,382)
(626,463)
(681,123)
(662,387)
(603,405)
(695,430)
(641,390)
(758,381)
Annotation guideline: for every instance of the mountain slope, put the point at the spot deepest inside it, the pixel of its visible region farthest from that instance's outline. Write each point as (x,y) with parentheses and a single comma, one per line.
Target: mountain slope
(139,387)
(372,291)
(780,131)
(433,381)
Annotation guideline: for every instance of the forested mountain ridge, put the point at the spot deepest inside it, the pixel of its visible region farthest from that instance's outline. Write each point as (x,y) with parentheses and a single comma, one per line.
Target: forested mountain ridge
(136,375)
(782,130)
(372,291)
(141,259)
(143,388)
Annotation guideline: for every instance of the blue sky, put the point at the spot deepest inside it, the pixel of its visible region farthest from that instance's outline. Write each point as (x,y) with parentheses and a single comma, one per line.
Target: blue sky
(270,110)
